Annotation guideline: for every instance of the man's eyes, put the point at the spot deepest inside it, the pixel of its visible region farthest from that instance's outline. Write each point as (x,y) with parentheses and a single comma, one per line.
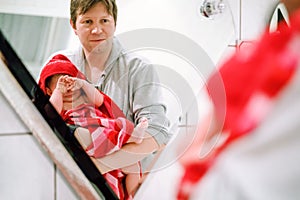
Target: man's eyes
(105,20)
(88,21)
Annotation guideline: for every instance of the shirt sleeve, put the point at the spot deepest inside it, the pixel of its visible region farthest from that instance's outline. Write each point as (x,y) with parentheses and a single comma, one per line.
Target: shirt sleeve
(148,102)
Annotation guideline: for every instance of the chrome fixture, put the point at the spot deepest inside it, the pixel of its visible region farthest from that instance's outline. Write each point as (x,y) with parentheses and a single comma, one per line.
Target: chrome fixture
(211,8)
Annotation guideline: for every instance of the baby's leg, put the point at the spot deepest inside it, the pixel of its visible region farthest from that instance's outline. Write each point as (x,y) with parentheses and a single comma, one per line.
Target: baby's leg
(133,178)
(83,136)
(132,183)
(139,131)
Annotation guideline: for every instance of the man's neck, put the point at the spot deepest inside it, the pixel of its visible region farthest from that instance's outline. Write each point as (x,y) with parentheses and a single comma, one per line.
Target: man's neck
(95,65)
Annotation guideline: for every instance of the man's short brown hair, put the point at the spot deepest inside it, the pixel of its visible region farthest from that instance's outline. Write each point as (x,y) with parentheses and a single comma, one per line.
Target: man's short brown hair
(79,7)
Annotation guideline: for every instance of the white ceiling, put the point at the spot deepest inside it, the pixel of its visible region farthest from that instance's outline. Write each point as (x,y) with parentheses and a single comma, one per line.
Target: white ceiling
(52,8)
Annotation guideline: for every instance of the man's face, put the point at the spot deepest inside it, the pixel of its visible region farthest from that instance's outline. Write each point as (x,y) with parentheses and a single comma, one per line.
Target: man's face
(95,29)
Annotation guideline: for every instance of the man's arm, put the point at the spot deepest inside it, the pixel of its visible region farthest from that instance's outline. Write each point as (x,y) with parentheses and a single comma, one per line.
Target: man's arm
(127,155)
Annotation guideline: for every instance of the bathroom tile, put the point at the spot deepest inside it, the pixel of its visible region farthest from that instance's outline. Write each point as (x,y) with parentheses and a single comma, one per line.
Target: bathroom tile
(63,189)
(25,170)
(9,119)
(234,6)
(255,16)
(229,51)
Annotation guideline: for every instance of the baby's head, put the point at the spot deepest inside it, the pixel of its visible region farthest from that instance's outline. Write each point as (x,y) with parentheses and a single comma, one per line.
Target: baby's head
(51,82)
(59,65)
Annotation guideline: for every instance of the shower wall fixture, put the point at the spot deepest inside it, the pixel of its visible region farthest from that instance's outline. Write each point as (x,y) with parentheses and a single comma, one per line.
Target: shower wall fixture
(212,8)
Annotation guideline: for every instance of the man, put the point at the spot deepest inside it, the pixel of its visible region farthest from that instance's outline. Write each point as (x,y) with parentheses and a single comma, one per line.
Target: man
(129,81)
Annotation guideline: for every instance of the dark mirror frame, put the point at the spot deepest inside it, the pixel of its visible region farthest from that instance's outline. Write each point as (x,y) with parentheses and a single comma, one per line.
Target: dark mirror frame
(63,132)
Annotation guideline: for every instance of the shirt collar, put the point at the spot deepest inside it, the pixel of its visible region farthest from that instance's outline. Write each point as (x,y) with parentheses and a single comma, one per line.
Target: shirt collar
(115,53)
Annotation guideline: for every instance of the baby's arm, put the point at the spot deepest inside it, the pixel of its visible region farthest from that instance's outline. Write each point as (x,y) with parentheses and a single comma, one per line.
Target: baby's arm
(91,92)
(56,98)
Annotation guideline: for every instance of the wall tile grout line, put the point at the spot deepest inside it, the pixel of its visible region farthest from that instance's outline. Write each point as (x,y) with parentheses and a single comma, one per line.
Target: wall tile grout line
(15,134)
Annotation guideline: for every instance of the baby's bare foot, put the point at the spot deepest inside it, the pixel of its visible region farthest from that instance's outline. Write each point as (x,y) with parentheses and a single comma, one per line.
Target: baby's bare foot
(143,123)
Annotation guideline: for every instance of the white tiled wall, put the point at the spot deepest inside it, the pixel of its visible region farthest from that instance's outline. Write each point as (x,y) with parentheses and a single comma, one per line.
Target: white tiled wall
(9,121)
(255,16)
(23,168)
(26,171)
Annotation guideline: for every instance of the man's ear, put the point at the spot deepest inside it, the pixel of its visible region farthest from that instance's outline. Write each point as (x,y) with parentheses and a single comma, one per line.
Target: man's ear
(73,26)
(48,92)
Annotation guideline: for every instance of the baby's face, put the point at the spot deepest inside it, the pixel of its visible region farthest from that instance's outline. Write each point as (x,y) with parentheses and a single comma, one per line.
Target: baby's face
(71,96)
(68,96)
(53,82)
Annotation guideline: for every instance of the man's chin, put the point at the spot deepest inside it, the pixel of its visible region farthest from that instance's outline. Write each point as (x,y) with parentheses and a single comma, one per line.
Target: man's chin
(103,46)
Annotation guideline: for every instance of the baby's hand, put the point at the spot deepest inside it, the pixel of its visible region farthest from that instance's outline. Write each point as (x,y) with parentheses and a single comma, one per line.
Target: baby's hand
(62,84)
(75,83)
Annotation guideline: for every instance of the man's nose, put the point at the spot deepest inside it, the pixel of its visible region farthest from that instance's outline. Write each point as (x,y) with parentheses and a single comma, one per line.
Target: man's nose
(97,29)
